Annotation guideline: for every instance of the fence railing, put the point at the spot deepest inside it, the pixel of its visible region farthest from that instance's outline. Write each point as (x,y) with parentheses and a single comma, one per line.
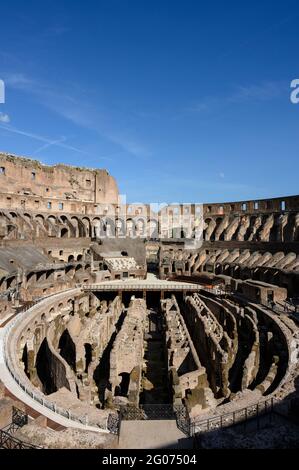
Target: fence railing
(243,415)
(113,423)
(7,440)
(157,412)
(140,287)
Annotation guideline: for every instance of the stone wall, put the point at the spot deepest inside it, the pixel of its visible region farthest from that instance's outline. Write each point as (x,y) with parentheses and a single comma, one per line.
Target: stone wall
(25,177)
(187,376)
(127,353)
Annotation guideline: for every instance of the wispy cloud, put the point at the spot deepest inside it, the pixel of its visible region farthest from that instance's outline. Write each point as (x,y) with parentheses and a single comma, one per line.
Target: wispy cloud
(265,91)
(80,112)
(47,142)
(55,142)
(4,118)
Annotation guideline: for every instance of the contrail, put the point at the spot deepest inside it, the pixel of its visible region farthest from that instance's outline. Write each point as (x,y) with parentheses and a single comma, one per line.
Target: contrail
(46,141)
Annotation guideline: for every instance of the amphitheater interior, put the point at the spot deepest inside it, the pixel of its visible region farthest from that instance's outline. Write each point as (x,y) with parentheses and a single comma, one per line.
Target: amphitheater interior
(114,316)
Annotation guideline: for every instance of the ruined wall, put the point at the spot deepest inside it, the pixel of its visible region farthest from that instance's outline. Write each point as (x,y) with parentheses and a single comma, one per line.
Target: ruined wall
(24,177)
(211,341)
(127,353)
(289,203)
(51,362)
(261,263)
(187,376)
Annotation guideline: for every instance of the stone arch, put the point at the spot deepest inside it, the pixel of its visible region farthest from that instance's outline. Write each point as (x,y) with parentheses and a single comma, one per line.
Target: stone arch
(28,217)
(67,349)
(210,228)
(50,273)
(50,371)
(10,282)
(110,227)
(96,227)
(41,275)
(120,228)
(87,225)
(218,221)
(25,360)
(68,269)
(140,227)
(88,356)
(77,226)
(123,388)
(130,228)
(64,233)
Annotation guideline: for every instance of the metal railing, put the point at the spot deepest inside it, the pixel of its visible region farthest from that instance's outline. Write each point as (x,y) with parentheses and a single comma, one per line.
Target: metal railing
(157,412)
(19,419)
(113,423)
(7,441)
(136,287)
(243,415)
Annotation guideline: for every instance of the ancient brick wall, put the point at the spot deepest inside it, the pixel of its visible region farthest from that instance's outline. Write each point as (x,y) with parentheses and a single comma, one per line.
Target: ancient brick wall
(37,184)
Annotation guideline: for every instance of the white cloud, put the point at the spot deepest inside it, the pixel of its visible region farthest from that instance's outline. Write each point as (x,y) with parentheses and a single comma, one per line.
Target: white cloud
(4,118)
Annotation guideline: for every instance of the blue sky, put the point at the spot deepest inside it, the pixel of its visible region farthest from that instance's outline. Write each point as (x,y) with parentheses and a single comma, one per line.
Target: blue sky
(180,100)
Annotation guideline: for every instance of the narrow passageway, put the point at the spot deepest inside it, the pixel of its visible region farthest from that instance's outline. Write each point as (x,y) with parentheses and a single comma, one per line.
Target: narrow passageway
(102,372)
(155,374)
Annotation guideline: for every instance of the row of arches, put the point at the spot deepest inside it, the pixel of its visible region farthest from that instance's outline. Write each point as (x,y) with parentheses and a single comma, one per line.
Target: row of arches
(67,226)
(264,227)
(34,278)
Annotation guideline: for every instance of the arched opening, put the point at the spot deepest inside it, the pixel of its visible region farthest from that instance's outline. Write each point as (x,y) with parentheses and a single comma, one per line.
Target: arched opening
(206,225)
(218,223)
(88,355)
(25,361)
(123,388)
(64,233)
(44,368)
(10,282)
(120,228)
(67,349)
(110,228)
(86,223)
(153,229)
(130,228)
